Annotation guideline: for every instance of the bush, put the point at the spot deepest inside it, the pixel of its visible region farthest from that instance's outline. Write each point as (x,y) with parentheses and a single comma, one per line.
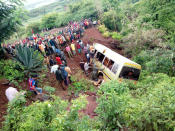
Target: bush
(113,101)
(11,70)
(81,85)
(143,40)
(32,61)
(35,27)
(49,115)
(49,21)
(106,34)
(116,36)
(153,109)
(112,20)
(102,28)
(49,89)
(157,61)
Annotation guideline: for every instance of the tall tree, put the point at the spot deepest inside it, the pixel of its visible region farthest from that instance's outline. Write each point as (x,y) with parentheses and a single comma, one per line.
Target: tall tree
(9,18)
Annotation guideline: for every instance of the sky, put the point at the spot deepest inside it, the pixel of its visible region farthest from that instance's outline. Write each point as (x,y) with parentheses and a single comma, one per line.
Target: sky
(31,4)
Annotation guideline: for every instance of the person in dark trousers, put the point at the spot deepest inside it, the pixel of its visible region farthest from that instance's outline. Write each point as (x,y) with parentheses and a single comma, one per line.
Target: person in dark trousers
(64,74)
(60,77)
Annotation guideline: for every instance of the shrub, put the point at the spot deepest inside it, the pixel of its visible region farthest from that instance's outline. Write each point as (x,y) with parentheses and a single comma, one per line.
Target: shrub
(102,28)
(106,34)
(49,21)
(49,115)
(148,107)
(157,61)
(32,61)
(49,89)
(11,70)
(116,36)
(15,108)
(113,101)
(35,27)
(143,40)
(112,20)
(81,85)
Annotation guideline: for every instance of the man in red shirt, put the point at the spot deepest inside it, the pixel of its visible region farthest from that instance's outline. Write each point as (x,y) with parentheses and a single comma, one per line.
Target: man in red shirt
(58,60)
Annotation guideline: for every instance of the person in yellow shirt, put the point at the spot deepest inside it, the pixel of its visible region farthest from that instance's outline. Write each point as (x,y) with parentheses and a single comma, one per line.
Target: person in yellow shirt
(73,48)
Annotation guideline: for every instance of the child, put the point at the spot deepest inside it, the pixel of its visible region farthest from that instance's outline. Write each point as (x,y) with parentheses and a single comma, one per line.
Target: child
(69,51)
(79,48)
(73,48)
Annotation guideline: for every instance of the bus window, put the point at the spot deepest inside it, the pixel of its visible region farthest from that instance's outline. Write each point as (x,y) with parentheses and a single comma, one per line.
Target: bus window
(130,73)
(115,68)
(111,63)
(106,61)
(100,57)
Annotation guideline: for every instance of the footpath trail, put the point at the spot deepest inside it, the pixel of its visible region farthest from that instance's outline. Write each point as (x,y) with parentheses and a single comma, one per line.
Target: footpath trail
(3,101)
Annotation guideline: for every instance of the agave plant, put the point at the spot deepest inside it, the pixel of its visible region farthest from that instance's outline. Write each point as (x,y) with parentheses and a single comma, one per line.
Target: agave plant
(29,58)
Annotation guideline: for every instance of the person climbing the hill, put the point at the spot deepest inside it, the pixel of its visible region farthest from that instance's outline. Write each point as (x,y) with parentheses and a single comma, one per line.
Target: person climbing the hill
(51,61)
(81,44)
(68,50)
(42,48)
(68,70)
(33,85)
(88,58)
(73,48)
(58,51)
(52,44)
(64,73)
(59,77)
(54,68)
(78,48)
(86,68)
(58,59)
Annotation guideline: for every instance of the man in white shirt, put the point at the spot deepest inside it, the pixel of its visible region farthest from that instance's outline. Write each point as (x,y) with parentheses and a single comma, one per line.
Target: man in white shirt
(12,93)
(54,69)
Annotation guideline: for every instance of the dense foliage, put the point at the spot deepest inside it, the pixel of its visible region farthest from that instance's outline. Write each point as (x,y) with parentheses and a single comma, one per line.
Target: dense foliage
(49,115)
(31,60)
(149,105)
(11,70)
(10,18)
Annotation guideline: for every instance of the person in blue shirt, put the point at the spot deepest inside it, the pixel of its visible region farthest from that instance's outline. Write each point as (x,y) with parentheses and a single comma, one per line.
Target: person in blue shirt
(33,85)
(64,75)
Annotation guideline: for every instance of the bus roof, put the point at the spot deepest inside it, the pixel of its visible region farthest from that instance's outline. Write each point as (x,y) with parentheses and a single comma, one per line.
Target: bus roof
(113,55)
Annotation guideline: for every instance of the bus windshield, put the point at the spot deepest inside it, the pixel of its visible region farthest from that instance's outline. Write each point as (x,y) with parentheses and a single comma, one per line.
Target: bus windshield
(129,73)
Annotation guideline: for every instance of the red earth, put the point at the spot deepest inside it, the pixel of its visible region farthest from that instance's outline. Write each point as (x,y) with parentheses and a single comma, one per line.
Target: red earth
(91,35)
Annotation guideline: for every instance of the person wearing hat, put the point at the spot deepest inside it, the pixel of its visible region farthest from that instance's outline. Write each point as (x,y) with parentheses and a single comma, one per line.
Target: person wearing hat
(33,85)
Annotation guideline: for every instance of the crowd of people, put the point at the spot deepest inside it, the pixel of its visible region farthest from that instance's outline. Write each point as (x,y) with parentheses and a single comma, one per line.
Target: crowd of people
(55,47)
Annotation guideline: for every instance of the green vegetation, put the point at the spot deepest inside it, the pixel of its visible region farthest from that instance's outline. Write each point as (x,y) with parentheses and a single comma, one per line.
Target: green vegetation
(145,29)
(10,18)
(149,105)
(49,90)
(82,85)
(32,61)
(49,115)
(12,71)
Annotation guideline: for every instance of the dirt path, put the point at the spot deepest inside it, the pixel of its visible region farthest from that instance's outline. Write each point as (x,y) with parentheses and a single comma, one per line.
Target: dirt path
(3,101)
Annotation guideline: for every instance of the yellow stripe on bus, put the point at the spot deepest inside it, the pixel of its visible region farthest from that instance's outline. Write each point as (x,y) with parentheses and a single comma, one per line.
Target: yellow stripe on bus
(133,65)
